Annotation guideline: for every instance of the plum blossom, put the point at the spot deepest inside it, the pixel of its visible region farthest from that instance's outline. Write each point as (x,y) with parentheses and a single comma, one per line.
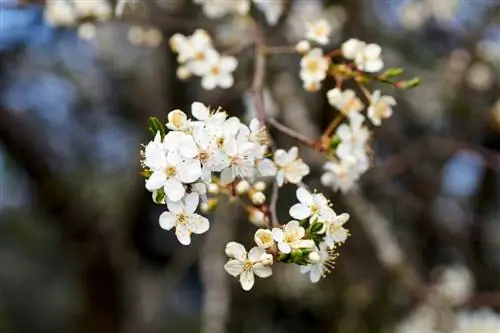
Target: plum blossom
(353,137)
(218,70)
(369,59)
(313,68)
(182,216)
(291,237)
(246,265)
(216,9)
(335,233)
(287,167)
(310,205)
(264,238)
(342,175)
(380,107)
(324,262)
(272,9)
(319,32)
(345,101)
(351,48)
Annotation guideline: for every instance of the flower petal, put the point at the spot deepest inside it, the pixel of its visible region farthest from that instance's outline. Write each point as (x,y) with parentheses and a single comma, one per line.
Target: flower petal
(236,250)
(262,271)
(304,196)
(300,211)
(174,190)
(255,254)
(198,224)
(234,267)
(247,280)
(315,274)
(189,171)
(183,234)
(278,234)
(199,111)
(156,180)
(227,175)
(167,220)
(191,202)
(284,247)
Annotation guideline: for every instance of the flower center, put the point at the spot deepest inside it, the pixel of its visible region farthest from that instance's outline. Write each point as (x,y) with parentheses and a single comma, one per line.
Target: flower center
(313,66)
(220,142)
(215,70)
(199,56)
(320,30)
(181,219)
(247,265)
(170,171)
(203,156)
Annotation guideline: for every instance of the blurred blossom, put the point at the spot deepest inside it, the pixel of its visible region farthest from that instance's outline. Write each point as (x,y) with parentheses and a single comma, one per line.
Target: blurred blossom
(489,50)
(302,11)
(463,173)
(443,10)
(423,319)
(455,285)
(480,76)
(478,321)
(412,15)
(87,31)
(234,31)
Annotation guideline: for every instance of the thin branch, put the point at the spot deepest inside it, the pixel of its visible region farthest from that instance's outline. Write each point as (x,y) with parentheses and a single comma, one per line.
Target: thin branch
(273,221)
(333,125)
(280,50)
(259,74)
(293,134)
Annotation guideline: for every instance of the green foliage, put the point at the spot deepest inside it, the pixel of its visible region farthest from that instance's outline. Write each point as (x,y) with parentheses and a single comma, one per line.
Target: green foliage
(156,126)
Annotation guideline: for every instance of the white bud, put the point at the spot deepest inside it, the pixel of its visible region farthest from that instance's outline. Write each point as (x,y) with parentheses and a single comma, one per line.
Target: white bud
(205,207)
(263,238)
(266,259)
(242,187)
(258,198)
(86,31)
(135,35)
(303,46)
(314,257)
(213,188)
(183,73)
(260,186)
(257,217)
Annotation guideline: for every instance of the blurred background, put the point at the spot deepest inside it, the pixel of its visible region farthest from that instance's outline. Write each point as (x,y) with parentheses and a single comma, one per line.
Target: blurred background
(80,245)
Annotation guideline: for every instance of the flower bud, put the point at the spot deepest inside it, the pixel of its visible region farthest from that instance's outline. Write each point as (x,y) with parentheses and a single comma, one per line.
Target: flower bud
(257,217)
(242,187)
(213,188)
(314,257)
(263,238)
(209,206)
(260,186)
(303,46)
(183,73)
(266,259)
(258,198)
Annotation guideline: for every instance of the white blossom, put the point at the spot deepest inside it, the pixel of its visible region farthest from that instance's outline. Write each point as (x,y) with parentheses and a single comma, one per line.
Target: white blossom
(303,46)
(218,70)
(310,205)
(264,238)
(380,107)
(319,32)
(244,265)
(324,263)
(287,167)
(478,321)
(335,233)
(182,216)
(258,198)
(313,68)
(345,101)
(341,175)
(272,9)
(291,237)
(215,9)
(353,138)
(351,48)
(369,59)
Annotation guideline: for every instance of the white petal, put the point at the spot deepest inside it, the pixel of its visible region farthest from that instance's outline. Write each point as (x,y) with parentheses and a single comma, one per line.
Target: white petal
(281,157)
(266,167)
(236,250)
(198,224)
(167,220)
(227,175)
(284,247)
(278,234)
(156,180)
(280,178)
(188,147)
(183,234)
(305,269)
(174,190)
(228,64)
(199,111)
(255,254)
(300,211)
(191,202)
(304,196)
(175,207)
(247,280)
(234,267)
(189,171)
(208,82)
(315,275)
(262,271)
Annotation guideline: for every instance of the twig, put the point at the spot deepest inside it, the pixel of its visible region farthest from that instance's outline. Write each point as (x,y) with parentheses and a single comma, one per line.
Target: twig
(293,134)
(239,48)
(258,79)
(333,125)
(280,50)
(273,221)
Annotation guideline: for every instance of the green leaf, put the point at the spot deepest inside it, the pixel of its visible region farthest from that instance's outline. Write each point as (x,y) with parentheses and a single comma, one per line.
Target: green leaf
(408,84)
(156,126)
(392,72)
(159,196)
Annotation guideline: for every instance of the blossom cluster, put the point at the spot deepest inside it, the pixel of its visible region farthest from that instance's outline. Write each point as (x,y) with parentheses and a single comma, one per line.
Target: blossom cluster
(216,9)
(179,164)
(197,56)
(309,240)
(69,13)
